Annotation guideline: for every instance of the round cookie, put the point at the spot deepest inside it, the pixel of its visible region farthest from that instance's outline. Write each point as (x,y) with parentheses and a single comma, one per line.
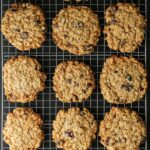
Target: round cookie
(123,80)
(122,129)
(74,129)
(76,29)
(124,27)
(23,79)
(24,26)
(73,81)
(22,129)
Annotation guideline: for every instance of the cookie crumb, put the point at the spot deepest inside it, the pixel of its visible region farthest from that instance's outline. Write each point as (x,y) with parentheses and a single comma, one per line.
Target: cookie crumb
(75,0)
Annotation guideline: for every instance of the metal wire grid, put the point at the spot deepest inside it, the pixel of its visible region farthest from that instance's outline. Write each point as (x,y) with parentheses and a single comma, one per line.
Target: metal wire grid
(49,56)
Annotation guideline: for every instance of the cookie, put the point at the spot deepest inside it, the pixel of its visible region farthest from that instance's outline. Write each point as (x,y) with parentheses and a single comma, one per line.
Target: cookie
(22,129)
(74,129)
(73,81)
(122,129)
(123,80)
(124,27)
(24,26)
(23,79)
(76,29)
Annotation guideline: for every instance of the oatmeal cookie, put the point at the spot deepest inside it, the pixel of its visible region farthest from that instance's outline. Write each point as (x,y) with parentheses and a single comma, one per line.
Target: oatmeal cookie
(122,129)
(23,79)
(22,129)
(73,81)
(74,129)
(24,26)
(123,80)
(124,27)
(76,29)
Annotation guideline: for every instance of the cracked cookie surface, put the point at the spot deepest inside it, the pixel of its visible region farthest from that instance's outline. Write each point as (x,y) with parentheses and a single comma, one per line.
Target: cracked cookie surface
(22,129)
(23,79)
(123,80)
(24,26)
(124,27)
(122,129)
(76,29)
(73,81)
(74,129)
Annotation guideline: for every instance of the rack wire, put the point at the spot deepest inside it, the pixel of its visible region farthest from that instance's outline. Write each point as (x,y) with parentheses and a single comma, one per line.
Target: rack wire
(49,56)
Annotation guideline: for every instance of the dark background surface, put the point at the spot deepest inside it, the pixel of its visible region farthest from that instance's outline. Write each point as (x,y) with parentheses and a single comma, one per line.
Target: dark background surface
(49,56)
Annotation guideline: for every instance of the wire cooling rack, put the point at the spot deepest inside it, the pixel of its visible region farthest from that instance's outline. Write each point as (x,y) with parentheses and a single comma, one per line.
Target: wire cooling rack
(49,56)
